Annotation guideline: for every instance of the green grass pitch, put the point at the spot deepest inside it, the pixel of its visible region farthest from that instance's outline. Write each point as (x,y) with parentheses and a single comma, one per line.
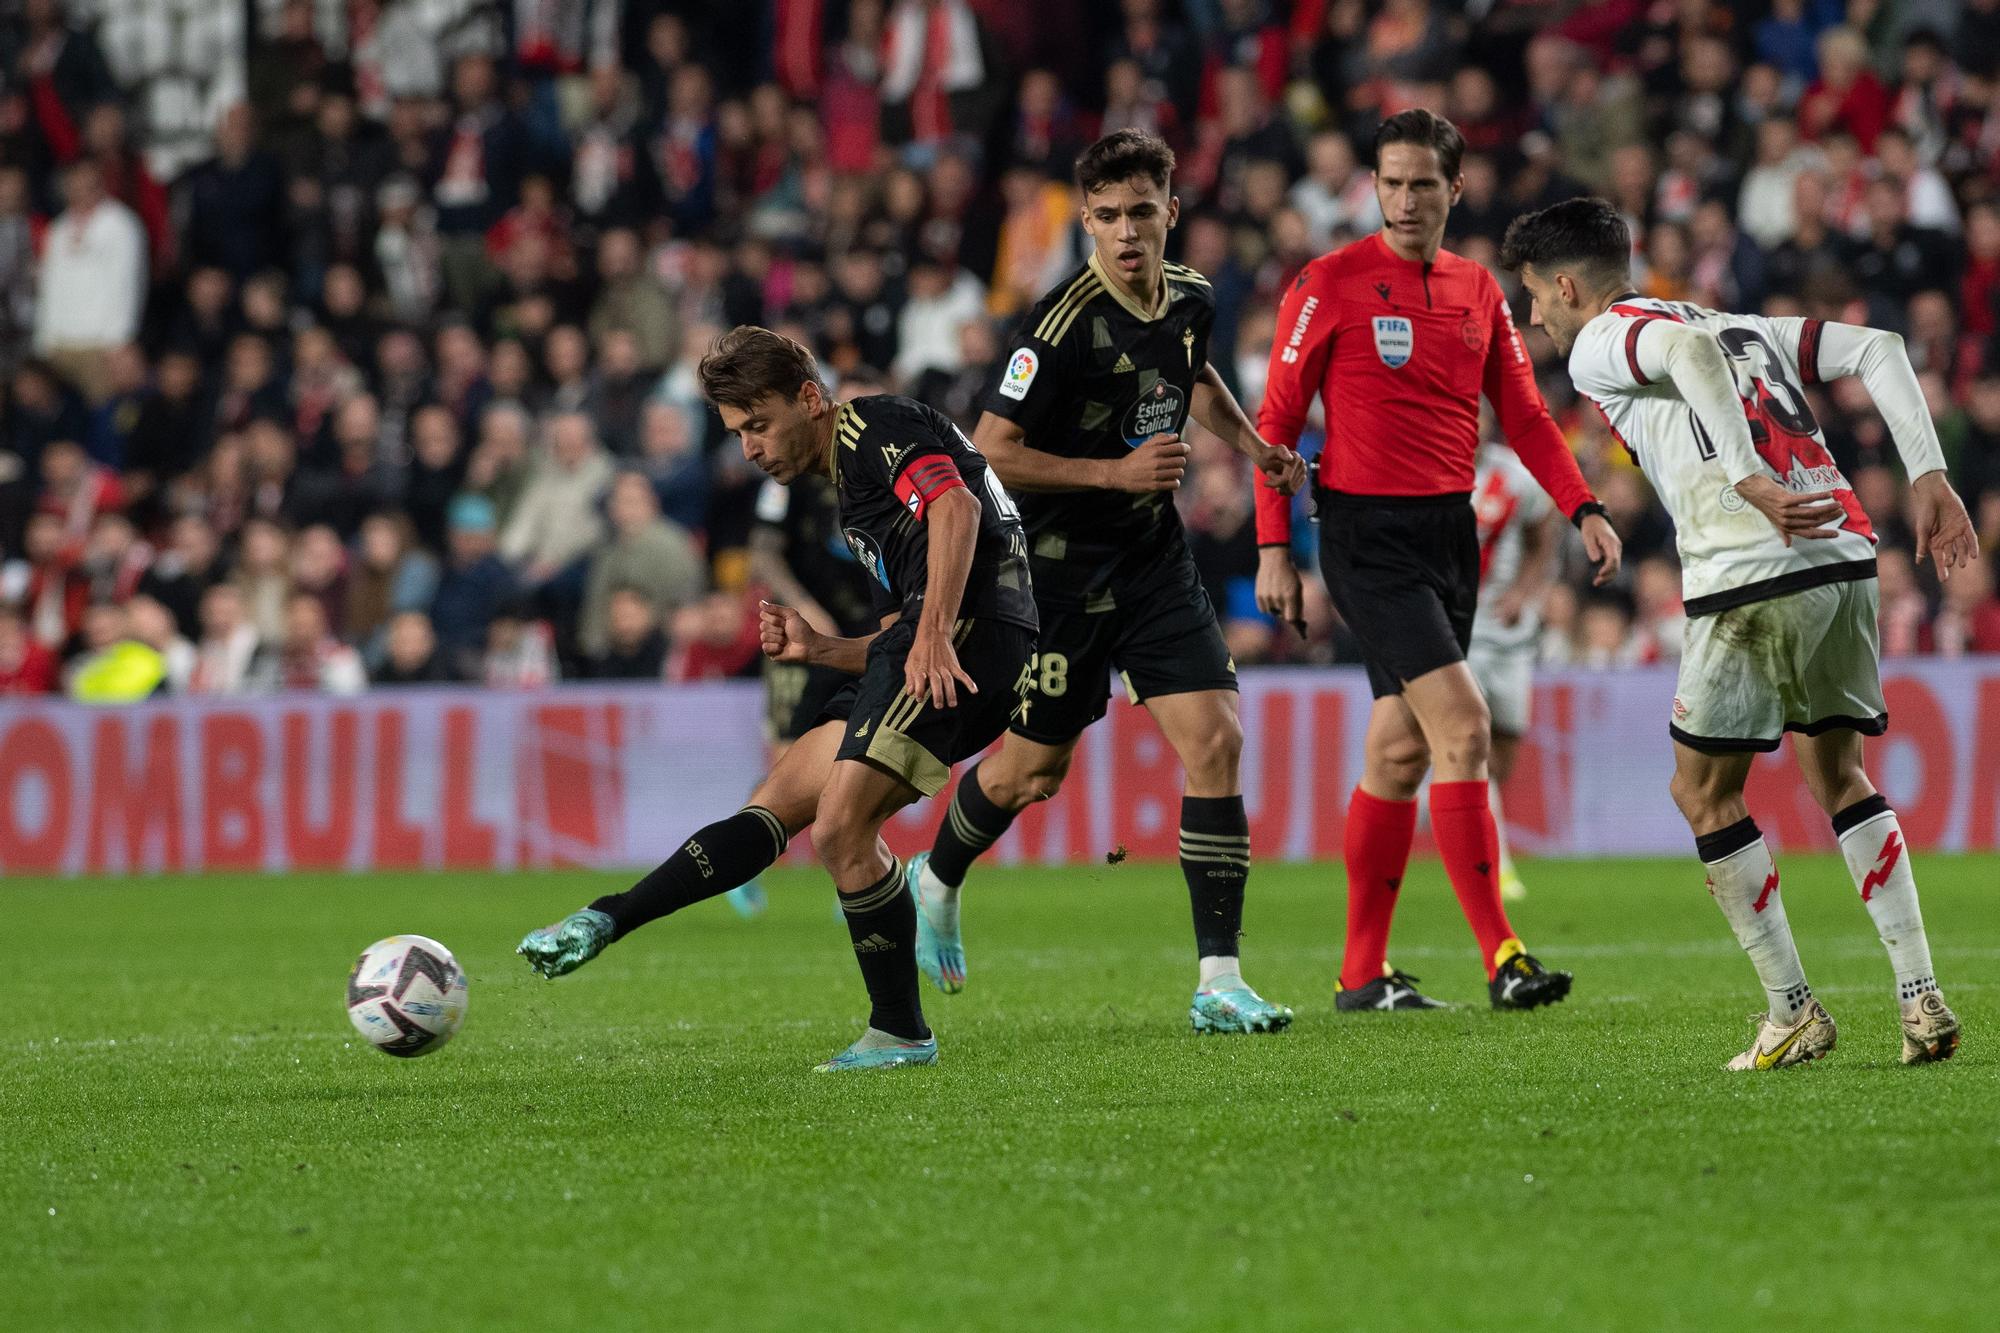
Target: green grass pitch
(192,1137)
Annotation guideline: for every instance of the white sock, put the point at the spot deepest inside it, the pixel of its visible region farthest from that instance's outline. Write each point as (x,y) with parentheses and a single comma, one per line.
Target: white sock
(938,900)
(1743,880)
(1219,965)
(1878,860)
(1500,828)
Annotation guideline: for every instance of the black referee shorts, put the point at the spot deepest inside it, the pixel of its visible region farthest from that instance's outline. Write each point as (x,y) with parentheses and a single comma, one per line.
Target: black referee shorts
(1403,572)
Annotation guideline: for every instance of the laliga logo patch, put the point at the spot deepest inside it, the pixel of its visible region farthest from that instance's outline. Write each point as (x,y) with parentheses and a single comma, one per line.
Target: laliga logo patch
(1157,412)
(1021,368)
(1731,502)
(1394,337)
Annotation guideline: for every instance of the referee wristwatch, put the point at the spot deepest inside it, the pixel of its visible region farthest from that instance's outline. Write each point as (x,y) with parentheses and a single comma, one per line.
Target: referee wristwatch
(1585,510)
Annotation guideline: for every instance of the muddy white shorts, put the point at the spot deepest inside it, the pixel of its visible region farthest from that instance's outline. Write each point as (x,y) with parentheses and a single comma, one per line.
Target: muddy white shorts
(1809,662)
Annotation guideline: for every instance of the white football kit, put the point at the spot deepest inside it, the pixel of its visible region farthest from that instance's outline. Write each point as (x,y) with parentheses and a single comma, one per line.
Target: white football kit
(1506,502)
(1780,638)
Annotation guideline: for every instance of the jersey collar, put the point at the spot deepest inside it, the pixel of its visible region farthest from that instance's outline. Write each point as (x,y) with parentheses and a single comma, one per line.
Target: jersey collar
(846,426)
(1117,293)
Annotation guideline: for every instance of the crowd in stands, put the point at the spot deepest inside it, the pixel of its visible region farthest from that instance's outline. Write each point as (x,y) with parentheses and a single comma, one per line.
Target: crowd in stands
(351,342)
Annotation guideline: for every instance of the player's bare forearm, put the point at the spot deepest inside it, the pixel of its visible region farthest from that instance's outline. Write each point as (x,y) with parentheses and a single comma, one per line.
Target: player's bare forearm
(932,670)
(953,523)
(1021,468)
(1215,407)
(842,654)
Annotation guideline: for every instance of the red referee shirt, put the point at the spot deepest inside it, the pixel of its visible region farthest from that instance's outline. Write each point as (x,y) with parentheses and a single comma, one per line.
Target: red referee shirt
(1401,352)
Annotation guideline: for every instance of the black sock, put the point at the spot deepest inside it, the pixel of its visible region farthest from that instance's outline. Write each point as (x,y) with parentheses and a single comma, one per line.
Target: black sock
(972,823)
(882,921)
(1215,858)
(715,860)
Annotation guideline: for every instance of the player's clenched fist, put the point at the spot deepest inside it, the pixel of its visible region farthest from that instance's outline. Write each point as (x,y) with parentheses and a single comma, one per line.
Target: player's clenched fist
(784,633)
(1157,465)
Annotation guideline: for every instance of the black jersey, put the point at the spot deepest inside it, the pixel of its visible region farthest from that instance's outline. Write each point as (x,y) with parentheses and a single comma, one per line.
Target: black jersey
(806,516)
(875,441)
(1093,376)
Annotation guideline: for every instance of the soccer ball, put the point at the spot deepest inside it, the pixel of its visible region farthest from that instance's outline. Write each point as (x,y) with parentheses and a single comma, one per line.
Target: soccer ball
(406,994)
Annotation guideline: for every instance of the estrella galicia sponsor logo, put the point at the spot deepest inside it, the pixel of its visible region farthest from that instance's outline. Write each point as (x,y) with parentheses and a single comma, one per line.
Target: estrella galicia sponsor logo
(1157,412)
(864,550)
(1021,368)
(1394,339)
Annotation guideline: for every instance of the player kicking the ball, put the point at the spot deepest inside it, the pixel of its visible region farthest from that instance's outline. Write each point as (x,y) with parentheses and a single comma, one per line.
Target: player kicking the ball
(1778,563)
(1402,338)
(937,684)
(1084,425)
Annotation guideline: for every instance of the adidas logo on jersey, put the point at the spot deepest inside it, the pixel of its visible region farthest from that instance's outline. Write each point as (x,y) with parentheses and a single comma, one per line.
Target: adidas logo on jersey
(1124,365)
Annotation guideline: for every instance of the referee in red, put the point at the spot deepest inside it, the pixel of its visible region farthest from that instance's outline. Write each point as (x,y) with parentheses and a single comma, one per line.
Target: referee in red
(1400,338)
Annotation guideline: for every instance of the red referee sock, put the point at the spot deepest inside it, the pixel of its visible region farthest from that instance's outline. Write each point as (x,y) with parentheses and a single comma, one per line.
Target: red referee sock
(1462,821)
(1377,851)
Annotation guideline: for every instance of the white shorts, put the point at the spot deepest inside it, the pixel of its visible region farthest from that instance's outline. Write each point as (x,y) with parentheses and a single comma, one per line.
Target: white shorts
(1807,662)
(1506,677)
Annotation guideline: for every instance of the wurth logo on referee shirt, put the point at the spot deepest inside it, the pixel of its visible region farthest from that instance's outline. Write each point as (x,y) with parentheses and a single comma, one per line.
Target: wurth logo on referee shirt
(1291,352)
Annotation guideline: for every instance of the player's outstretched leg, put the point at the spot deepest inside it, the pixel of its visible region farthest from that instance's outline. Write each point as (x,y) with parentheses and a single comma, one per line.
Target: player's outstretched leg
(1878,860)
(718,857)
(972,823)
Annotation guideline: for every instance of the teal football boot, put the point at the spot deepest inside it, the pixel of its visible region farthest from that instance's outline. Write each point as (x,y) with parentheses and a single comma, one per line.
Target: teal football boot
(748,900)
(940,953)
(880,1050)
(560,949)
(1227,1004)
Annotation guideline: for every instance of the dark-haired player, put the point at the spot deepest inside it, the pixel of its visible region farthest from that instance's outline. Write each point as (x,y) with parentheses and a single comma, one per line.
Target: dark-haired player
(1778,562)
(1401,338)
(1084,426)
(937,684)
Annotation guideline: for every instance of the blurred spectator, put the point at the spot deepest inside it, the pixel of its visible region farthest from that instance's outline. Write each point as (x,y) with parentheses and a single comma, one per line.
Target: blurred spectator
(556,520)
(1847,95)
(262,575)
(941,301)
(112,667)
(413,655)
(632,300)
(391,574)
(153,625)
(186,569)
(92,280)
(230,657)
(520,651)
(1969,621)
(647,555)
(236,201)
(27,666)
(310,657)
(715,638)
(476,162)
(934,73)
(475,584)
(76,491)
(633,648)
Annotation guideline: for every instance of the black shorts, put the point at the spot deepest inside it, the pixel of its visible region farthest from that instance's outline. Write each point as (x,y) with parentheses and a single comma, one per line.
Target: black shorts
(1404,574)
(906,737)
(796,697)
(1161,637)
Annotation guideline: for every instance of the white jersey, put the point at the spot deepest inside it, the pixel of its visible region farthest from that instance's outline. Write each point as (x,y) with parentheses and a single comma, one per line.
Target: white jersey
(1506,502)
(1730,553)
